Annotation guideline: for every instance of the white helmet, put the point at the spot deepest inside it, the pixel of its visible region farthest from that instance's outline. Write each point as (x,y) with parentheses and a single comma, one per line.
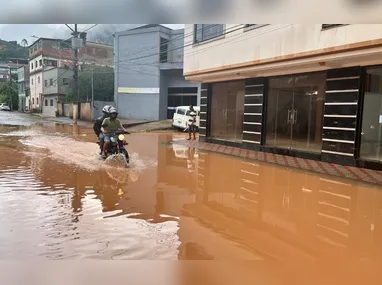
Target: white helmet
(106,109)
(113,110)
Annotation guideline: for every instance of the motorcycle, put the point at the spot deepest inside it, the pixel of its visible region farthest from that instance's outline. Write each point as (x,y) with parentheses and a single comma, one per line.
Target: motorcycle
(117,145)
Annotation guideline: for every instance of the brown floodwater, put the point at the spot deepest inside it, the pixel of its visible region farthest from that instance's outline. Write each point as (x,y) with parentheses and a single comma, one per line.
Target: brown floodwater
(58,200)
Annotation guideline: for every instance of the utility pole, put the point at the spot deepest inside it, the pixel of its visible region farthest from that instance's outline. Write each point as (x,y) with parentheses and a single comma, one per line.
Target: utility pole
(92,87)
(93,81)
(11,88)
(77,43)
(75,77)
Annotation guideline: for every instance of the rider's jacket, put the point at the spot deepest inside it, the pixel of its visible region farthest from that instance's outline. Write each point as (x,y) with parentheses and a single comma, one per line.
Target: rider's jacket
(98,124)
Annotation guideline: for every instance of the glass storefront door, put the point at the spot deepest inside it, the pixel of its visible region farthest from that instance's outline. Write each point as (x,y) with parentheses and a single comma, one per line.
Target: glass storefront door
(295,112)
(279,130)
(371,136)
(227,110)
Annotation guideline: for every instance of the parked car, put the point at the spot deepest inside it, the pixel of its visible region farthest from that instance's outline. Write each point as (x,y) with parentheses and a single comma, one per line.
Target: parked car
(4,107)
(182,115)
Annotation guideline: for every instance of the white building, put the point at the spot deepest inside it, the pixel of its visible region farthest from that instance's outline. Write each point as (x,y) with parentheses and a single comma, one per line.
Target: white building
(51,64)
(313,91)
(46,54)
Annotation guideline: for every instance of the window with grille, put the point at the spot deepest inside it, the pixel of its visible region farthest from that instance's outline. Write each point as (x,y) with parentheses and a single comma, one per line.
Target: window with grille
(204,32)
(163,50)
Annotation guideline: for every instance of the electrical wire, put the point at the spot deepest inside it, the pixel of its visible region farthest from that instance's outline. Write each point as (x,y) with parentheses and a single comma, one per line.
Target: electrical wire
(233,40)
(95,25)
(70,28)
(227,31)
(234,29)
(183,36)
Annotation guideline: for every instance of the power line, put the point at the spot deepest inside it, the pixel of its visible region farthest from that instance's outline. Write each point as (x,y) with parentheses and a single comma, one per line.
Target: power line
(234,29)
(95,25)
(69,27)
(184,35)
(236,38)
(233,40)
(179,47)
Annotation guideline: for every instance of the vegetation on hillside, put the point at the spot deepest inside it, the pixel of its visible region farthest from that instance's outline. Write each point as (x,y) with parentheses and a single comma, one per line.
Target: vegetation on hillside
(12,49)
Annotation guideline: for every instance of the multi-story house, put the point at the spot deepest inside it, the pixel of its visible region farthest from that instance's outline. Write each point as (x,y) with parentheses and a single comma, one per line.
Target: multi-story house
(312,91)
(51,63)
(23,86)
(149,81)
(4,72)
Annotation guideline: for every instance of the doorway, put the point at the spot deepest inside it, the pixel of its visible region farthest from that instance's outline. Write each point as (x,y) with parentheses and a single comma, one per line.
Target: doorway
(295,112)
(227,110)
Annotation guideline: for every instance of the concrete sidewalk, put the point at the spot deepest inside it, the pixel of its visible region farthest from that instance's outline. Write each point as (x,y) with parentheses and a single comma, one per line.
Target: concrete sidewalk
(133,126)
(151,126)
(132,123)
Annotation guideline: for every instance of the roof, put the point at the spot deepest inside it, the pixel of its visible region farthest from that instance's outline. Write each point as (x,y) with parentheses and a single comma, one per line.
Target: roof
(67,40)
(49,39)
(102,44)
(149,26)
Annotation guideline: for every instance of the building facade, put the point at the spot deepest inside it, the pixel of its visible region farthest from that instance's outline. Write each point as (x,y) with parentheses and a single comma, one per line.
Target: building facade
(57,84)
(4,73)
(149,81)
(310,91)
(51,63)
(23,86)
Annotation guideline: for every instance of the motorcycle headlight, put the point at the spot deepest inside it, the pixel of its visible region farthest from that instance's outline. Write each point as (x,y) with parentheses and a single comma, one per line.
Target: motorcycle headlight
(121,137)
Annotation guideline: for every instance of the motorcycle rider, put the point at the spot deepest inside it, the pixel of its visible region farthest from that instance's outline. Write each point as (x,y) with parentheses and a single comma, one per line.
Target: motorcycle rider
(98,125)
(109,126)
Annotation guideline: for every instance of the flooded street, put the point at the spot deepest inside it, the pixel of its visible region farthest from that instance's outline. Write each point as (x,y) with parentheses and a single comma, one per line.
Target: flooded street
(58,200)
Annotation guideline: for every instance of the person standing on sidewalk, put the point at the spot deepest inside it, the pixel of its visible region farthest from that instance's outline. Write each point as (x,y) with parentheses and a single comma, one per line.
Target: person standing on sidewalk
(192,123)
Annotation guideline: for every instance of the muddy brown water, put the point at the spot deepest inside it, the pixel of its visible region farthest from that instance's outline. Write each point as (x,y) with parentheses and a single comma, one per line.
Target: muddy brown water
(59,201)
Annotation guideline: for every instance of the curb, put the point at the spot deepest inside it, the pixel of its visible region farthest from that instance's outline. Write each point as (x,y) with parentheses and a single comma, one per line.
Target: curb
(152,130)
(355,173)
(136,124)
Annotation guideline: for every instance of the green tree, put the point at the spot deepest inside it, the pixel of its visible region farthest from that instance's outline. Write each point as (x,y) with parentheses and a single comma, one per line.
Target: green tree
(103,83)
(9,95)
(69,98)
(12,49)
(24,43)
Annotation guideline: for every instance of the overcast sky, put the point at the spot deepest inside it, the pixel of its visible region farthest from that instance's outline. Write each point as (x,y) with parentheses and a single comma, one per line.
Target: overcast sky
(11,32)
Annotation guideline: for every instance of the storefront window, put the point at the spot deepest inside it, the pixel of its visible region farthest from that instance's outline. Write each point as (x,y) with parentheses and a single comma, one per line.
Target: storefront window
(227,110)
(371,139)
(295,112)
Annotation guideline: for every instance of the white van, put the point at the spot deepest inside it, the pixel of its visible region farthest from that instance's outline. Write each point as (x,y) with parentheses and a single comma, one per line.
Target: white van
(182,115)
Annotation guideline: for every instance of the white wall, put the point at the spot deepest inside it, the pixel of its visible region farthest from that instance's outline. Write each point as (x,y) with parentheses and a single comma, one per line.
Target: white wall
(35,89)
(270,43)
(49,110)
